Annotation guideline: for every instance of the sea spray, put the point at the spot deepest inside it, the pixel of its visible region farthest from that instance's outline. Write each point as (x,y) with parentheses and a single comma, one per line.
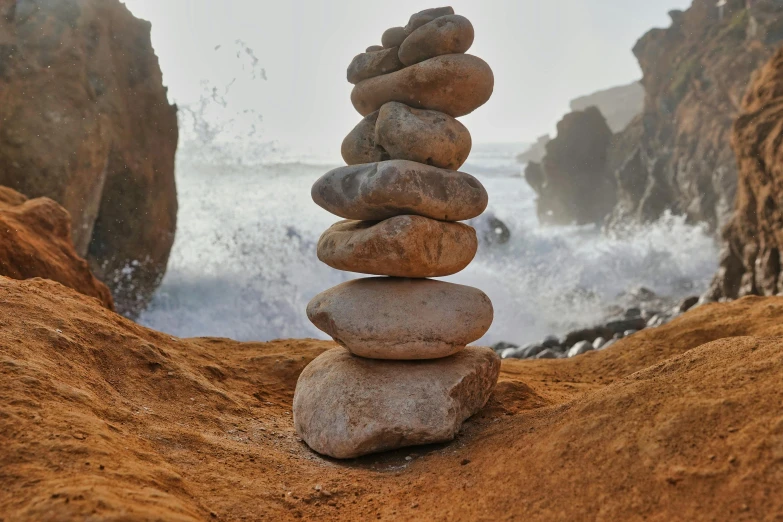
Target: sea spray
(244,263)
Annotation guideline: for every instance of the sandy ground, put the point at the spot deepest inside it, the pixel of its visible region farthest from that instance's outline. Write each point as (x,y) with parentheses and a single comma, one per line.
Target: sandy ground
(101,419)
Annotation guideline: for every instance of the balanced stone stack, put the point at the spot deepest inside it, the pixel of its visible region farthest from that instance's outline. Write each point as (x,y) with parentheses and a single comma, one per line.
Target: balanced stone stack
(404,375)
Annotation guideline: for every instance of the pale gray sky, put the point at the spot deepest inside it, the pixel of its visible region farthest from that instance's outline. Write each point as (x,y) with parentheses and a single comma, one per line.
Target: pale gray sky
(543,53)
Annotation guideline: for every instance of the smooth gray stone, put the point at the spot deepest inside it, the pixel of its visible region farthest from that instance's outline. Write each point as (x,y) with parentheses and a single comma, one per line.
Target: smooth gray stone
(378,191)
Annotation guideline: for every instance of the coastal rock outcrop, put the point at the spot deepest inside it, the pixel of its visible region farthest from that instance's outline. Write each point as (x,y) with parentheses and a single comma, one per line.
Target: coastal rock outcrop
(676,155)
(750,262)
(86,122)
(572,182)
(35,241)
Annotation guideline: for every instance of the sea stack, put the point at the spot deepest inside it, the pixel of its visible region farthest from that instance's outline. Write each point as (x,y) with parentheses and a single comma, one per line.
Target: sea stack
(404,375)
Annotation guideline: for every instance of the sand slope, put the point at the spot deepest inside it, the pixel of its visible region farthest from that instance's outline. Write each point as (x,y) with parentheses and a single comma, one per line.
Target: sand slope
(101,419)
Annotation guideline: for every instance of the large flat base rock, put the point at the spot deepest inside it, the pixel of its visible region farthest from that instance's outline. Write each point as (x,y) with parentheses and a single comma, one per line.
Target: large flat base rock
(346,406)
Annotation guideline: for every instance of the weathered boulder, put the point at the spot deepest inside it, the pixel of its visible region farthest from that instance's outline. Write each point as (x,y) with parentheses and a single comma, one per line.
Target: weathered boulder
(456,84)
(753,239)
(35,241)
(402,246)
(346,406)
(423,136)
(450,34)
(373,63)
(378,191)
(391,318)
(86,122)
(573,183)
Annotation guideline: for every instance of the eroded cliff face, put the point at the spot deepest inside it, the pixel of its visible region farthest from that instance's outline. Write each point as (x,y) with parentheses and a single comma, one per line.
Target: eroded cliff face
(753,239)
(676,155)
(35,241)
(86,122)
(571,181)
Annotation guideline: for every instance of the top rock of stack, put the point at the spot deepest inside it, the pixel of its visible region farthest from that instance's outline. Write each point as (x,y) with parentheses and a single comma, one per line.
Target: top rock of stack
(427,16)
(393,37)
(450,34)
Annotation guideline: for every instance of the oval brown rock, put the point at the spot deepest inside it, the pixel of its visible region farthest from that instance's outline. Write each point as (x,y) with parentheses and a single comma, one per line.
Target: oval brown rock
(378,191)
(451,34)
(421,135)
(456,84)
(346,406)
(360,146)
(372,64)
(402,319)
(402,246)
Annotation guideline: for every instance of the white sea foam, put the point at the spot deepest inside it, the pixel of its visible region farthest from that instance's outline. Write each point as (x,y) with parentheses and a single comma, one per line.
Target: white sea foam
(244,263)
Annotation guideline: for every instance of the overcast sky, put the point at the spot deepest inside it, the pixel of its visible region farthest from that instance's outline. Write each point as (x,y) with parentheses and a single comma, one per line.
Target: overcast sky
(543,53)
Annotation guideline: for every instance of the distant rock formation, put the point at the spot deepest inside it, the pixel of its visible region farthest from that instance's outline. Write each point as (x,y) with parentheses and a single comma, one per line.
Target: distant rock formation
(676,156)
(750,261)
(572,181)
(86,122)
(35,241)
(619,105)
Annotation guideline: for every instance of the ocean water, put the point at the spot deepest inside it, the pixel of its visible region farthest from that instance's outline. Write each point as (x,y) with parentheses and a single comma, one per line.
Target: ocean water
(244,264)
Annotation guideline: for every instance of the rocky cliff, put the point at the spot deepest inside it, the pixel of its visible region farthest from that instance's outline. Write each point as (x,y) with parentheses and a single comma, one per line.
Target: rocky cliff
(86,122)
(35,241)
(753,239)
(619,105)
(101,419)
(571,181)
(676,155)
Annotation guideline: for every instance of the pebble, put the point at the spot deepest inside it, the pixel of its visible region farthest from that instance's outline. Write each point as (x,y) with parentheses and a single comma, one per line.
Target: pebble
(580,348)
(359,145)
(372,64)
(450,34)
(548,354)
(393,37)
(426,16)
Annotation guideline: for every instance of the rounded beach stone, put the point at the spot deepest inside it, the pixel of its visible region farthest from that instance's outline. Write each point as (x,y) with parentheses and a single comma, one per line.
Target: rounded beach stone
(378,191)
(456,84)
(393,37)
(451,34)
(373,48)
(426,16)
(404,319)
(402,246)
(424,136)
(372,64)
(360,147)
(346,406)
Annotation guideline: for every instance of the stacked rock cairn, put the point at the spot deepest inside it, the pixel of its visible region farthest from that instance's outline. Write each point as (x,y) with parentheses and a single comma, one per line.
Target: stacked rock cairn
(404,374)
